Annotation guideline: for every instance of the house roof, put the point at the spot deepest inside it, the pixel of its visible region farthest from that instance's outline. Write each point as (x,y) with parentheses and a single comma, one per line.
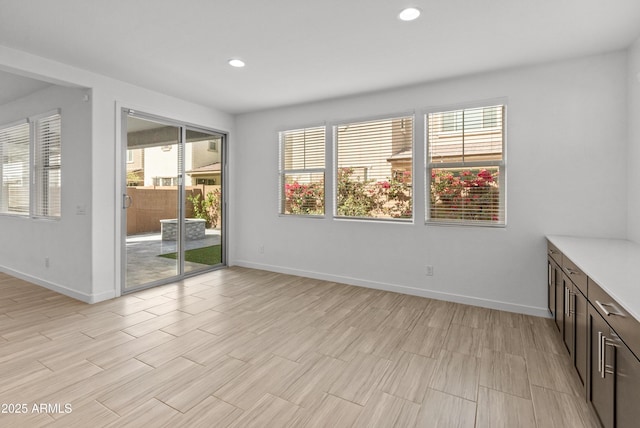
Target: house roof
(206,169)
(405,154)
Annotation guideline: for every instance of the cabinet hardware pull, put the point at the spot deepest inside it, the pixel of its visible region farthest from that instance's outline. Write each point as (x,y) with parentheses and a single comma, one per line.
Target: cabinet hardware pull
(600,337)
(606,368)
(571,271)
(603,354)
(567,301)
(609,313)
(575,297)
(553,252)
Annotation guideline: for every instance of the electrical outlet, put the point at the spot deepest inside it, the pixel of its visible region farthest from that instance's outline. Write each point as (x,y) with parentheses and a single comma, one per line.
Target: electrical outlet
(46,262)
(429,270)
(261,249)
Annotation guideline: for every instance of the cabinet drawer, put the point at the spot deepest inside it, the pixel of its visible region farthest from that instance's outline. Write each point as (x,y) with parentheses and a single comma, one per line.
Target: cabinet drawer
(575,274)
(555,254)
(627,327)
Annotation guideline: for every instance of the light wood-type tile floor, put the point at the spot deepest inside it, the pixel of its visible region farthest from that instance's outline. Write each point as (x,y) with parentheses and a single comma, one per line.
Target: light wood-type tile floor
(246,348)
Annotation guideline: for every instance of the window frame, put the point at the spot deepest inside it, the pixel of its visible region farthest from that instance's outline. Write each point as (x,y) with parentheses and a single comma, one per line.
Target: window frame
(335,165)
(40,203)
(37,191)
(283,172)
(29,163)
(501,165)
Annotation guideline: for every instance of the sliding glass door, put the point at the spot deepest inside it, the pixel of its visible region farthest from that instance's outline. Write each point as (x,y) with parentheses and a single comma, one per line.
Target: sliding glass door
(203,193)
(172,201)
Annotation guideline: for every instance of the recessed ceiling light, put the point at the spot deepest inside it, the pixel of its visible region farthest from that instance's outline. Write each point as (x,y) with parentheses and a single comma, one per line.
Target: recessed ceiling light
(235,62)
(409,14)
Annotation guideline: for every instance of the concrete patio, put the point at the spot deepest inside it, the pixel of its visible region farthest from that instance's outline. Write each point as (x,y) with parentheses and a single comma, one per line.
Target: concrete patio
(144,265)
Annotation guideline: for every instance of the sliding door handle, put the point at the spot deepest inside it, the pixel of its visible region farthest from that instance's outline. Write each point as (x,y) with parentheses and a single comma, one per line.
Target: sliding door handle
(127,201)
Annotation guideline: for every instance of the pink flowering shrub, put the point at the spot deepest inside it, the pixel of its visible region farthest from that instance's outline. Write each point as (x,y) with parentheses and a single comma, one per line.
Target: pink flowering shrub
(386,198)
(304,199)
(466,194)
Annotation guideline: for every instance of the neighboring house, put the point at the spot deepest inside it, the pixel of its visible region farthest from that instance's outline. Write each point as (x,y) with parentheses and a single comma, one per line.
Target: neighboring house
(382,149)
(466,135)
(158,166)
(375,150)
(208,174)
(135,167)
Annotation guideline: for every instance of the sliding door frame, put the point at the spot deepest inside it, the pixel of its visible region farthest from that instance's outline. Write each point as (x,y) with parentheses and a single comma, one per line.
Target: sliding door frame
(122,206)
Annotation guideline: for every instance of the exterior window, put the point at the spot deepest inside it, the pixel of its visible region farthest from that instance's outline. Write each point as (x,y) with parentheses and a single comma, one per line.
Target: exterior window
(213,145)
(47,162)
(302,167)
(14,153)
(206,181)
(374,169)
(165,181)
(451,121)
(129,156)
(466,166)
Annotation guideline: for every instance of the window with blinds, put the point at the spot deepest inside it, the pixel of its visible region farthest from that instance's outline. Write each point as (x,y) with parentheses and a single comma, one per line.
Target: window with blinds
(374,169)
(30,167)
(15,171)
(302,168)
(466,166)
(47,162)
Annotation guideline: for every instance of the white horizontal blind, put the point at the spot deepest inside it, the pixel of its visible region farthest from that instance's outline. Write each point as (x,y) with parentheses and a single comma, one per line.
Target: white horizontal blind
(47,171)
(302,168)
(466,166)
(374,168)
(14,152)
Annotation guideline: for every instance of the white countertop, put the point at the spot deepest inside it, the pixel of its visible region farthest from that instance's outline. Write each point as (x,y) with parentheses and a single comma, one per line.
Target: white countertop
(614,264)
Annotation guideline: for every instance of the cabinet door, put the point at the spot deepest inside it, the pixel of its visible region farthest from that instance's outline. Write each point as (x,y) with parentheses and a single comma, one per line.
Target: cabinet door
(627,369)
(551,286)
(580,322)
(568,331)
(601,383)
(559,298)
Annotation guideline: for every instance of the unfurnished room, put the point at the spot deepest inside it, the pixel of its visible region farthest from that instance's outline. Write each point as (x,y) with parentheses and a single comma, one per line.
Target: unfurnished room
(320,214)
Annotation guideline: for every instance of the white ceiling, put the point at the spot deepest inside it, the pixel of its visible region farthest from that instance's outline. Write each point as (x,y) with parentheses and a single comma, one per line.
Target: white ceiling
(305,50)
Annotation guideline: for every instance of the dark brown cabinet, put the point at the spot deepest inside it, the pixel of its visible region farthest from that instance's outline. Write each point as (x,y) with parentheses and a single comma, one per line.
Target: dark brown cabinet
(555,292)
(559,315)
(601,336)
(627,368)
(574,331)
(614,388)
(551,283)
(601,386)
(580,309)
(569,325)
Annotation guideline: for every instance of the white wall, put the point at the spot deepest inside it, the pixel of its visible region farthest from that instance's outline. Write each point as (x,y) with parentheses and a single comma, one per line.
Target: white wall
(104,169)
(634,142)
(26,242)
(566,146)
(566,175)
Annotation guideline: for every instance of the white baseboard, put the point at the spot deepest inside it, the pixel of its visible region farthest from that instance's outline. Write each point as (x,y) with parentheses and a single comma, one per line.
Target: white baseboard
(449,297)
(83,297)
